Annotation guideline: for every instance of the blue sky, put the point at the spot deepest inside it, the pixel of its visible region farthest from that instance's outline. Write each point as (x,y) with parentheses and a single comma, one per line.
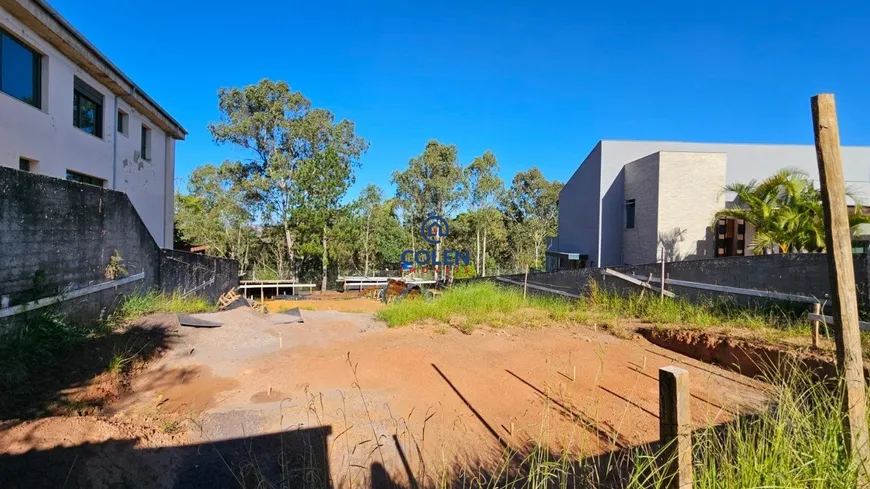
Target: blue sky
(538,83)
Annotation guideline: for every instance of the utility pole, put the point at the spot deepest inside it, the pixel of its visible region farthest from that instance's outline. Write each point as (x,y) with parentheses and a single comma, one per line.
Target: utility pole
(842,274)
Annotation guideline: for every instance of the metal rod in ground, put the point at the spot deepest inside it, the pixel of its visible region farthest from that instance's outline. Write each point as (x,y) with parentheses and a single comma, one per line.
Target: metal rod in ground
(842,276)
(817,309)
(675,428)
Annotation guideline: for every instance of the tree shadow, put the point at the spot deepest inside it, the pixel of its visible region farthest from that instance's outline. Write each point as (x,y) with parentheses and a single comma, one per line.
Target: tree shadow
(80,377)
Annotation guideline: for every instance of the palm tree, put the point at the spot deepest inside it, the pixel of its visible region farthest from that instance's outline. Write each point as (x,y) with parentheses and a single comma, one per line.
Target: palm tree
(786,211)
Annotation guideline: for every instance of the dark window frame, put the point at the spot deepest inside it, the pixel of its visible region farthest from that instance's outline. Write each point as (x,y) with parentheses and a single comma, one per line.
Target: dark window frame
(145,142)
(74,176)
(630,214)
(37,70)
(25,164)
(83,91)
(122,119)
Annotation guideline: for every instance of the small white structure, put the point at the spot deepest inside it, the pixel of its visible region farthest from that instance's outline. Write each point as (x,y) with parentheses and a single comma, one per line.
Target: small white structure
(66,111)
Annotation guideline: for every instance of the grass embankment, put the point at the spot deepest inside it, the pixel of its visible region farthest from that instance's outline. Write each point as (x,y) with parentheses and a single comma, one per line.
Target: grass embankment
(45,341)
(467,306)
(796,443)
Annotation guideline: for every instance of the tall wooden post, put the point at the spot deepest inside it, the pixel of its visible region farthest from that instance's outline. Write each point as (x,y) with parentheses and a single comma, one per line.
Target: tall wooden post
(817,309)
(662,297)
(675,428)
(842,274)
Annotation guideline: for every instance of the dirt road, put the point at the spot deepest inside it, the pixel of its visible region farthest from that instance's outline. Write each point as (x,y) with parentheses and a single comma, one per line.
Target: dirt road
(396,403)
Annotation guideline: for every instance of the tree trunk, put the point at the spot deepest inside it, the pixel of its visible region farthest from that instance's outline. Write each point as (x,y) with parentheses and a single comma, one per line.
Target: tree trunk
(289,238)
(483,268)
(366,246)
(477,262)
(324,264)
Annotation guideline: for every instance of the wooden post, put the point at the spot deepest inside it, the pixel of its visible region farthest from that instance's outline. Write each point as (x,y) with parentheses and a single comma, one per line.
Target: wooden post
(675,428)
(662,297)
(842,275)
(817,309)
(526,282)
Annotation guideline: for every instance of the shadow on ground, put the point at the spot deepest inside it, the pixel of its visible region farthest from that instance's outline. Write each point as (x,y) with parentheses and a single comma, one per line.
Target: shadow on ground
(81,378)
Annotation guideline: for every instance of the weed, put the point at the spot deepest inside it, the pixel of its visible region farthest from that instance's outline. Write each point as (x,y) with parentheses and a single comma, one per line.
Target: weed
(40,340)
(119,362)
(142,304)
(170,426)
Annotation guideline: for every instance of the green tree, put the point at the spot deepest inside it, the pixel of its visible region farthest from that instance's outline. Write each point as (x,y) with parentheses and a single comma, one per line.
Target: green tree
(325,172)
(265,120)
(531,206)
(215,211)
(786,212)
(433,183)
(485,190)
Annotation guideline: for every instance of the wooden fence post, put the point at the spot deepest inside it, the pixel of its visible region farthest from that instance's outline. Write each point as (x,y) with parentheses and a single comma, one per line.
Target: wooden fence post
(817,309)
(842,275)
(675,428)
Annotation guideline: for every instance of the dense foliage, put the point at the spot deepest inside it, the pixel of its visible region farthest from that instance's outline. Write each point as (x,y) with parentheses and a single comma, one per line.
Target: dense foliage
(282,210)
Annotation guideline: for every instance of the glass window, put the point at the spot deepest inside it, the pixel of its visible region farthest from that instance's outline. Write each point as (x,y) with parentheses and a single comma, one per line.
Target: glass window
(629,214)
(146,143)
(87,109)
(123,122)
(20,69)
(75,176)
(23,164)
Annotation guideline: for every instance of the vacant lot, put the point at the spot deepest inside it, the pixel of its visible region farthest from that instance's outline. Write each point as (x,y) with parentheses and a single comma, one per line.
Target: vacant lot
(254,404)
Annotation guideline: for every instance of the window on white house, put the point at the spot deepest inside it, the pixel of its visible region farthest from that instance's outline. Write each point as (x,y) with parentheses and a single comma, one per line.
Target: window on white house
(87,108)
(145,148)
(629,214)
(20,70)
(25,165)
(75,176)
(123,123)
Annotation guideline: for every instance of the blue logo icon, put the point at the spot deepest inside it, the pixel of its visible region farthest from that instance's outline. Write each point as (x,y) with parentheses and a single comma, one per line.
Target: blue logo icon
(434,228)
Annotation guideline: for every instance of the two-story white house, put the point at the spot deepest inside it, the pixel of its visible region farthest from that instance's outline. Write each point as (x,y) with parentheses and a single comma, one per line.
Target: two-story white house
(66,111)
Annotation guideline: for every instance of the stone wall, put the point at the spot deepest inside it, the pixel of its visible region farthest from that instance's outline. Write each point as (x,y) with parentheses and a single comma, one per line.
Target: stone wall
(57,236)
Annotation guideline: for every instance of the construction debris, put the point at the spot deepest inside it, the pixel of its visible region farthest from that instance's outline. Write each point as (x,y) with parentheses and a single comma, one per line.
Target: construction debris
(190,321)
(397,290)
(287,317)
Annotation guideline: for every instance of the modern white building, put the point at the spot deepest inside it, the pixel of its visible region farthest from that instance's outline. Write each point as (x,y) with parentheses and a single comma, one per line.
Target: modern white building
(626,195)
(66,111)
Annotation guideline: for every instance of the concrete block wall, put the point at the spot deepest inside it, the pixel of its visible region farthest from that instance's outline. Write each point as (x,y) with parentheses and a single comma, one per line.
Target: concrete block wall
(799,273)
(57,236)
(202,275)
(642,185)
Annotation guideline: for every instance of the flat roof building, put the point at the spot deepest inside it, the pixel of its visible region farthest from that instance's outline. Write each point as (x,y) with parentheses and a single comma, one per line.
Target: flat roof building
(627,194)
(66,111)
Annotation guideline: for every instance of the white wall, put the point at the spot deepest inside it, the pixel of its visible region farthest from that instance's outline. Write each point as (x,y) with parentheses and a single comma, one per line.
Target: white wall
(49,137)
(579,203)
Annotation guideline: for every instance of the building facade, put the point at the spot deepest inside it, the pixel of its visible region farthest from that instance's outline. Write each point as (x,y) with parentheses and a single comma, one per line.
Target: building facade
(66,111)
(626,196)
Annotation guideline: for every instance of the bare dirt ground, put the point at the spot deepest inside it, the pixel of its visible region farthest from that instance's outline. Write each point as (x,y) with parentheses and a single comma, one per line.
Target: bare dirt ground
(234,406)
(347,304)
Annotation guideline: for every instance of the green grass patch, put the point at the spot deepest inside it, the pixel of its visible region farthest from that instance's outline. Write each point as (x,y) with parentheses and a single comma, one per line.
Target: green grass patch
(142,304)
(468,305)
(42,339)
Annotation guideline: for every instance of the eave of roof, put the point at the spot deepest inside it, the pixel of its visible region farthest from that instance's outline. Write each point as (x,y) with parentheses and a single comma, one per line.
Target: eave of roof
(51,26)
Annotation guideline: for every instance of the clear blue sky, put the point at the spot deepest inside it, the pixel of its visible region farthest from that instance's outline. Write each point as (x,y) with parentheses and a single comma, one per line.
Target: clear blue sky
(538,84)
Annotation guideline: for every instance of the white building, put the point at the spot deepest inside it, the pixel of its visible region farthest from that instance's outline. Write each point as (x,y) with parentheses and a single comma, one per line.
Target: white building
(627,195)
(66,111)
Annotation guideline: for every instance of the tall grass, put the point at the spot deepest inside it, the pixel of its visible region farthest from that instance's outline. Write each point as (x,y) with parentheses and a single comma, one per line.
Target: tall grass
(142,304)
(467,305)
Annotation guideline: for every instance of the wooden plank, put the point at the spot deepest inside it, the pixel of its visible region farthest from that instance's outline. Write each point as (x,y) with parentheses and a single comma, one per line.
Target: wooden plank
(736,290)
(838,241)
(538,287)
(47,301)
(863,325)
(675,428)
(628,278)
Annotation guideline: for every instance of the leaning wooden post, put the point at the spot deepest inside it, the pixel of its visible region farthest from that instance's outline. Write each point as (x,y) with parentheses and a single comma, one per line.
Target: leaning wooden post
(842,276)
(675,428)
(817,309)
(525,282)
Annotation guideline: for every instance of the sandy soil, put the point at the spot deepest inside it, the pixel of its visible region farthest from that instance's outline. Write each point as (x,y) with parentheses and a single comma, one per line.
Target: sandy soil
(412,400)
(350,304)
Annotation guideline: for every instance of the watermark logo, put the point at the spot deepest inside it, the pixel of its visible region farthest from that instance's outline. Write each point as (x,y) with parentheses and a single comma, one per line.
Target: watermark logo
(433,229)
